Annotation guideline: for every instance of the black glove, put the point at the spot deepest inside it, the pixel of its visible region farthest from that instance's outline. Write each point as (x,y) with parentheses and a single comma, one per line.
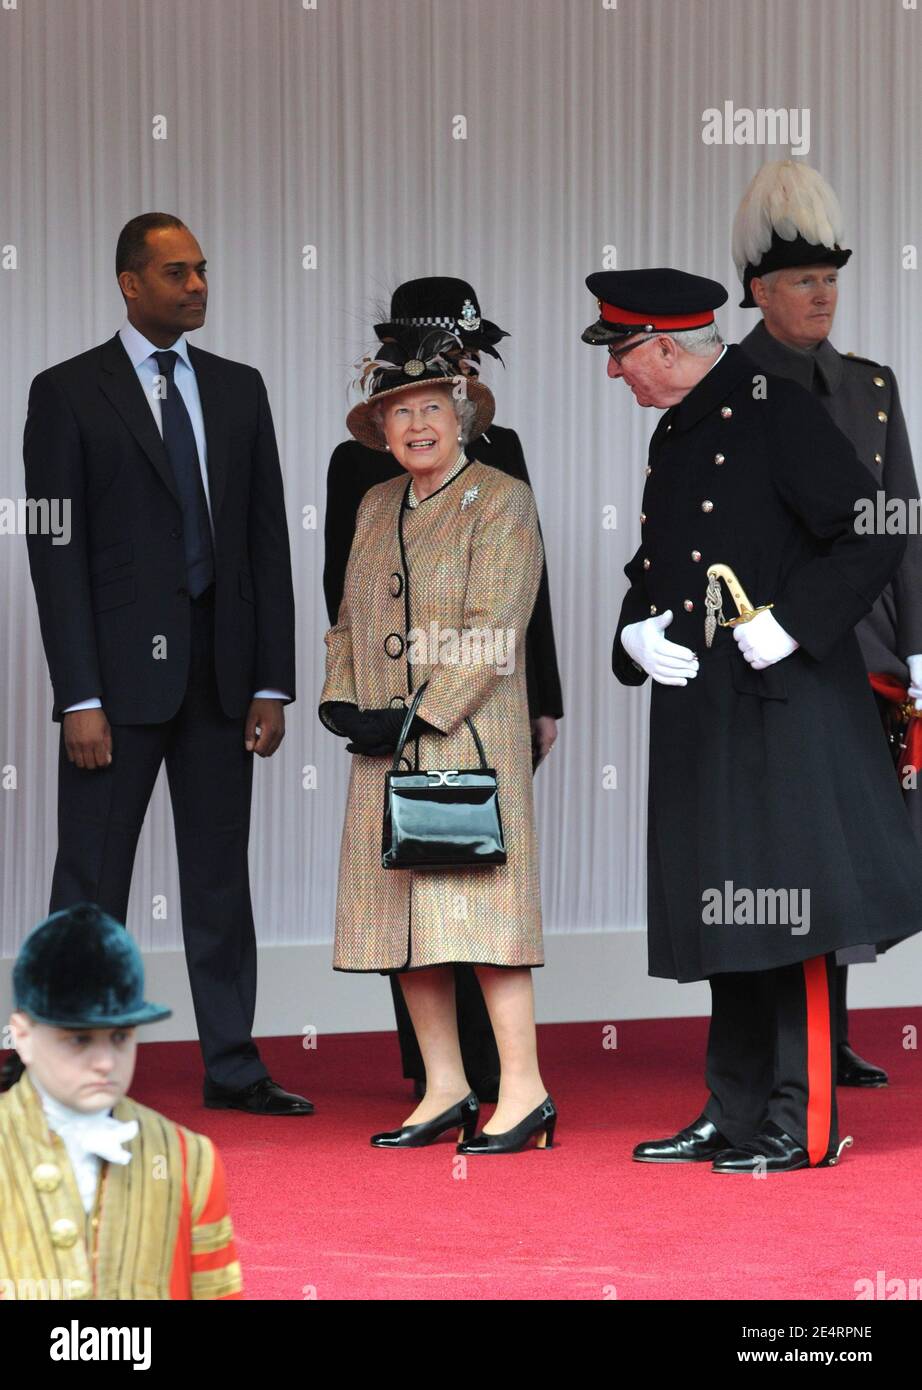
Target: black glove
(381,731)
(340,717)
(374,732)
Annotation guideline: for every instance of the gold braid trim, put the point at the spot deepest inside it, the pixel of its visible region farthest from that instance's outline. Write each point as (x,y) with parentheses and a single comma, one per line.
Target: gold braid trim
(211,1237)
(217,1283)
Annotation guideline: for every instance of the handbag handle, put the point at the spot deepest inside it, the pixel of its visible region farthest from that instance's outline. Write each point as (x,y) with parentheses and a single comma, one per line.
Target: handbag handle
(411,714)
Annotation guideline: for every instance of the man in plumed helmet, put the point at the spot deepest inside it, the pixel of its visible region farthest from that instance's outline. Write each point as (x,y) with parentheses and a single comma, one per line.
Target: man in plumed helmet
(444,302)
(101,1198)
(767,770)
(786,246)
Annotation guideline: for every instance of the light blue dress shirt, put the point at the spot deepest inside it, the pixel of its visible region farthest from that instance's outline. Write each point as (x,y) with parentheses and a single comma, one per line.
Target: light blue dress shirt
(145,364)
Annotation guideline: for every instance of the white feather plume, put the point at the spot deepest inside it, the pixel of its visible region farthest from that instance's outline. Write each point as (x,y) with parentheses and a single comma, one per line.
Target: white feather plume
(788,197)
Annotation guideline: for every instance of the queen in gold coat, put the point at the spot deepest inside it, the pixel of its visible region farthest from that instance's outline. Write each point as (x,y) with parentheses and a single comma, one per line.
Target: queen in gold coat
(440,585)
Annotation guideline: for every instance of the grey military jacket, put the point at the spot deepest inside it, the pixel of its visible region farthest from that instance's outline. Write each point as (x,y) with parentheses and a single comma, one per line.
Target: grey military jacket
(863,399)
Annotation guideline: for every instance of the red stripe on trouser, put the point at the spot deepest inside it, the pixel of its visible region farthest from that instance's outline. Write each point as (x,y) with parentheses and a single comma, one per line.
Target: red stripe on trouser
(819,1059)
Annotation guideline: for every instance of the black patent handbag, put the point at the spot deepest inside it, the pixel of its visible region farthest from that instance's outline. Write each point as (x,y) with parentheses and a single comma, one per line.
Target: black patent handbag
(441,818)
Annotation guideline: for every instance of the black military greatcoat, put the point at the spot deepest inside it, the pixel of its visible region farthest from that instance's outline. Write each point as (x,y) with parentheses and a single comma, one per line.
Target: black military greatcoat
(770,780)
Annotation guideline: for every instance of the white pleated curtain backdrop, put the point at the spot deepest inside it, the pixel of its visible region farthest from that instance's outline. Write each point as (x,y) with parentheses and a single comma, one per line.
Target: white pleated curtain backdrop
(334,127)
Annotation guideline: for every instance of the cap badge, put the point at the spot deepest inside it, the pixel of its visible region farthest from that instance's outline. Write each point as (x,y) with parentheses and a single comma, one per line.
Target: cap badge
(468,319)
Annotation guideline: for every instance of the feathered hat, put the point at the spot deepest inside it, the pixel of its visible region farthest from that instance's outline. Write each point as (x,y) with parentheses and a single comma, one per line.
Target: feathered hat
(788,216)
(414,357)
(440,301)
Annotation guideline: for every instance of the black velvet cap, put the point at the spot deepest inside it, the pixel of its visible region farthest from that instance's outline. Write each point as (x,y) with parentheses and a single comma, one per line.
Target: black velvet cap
(81,969)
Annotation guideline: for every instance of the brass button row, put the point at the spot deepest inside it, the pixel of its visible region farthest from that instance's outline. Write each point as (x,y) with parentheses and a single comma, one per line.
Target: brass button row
(687,605)
(695,554)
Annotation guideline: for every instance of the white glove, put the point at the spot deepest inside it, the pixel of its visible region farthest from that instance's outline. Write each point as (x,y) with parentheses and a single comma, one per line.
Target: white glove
(915,679)
(763,641)
(665,661)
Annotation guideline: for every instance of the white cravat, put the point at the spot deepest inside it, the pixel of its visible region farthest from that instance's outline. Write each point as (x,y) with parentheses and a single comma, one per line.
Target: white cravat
(89,1138)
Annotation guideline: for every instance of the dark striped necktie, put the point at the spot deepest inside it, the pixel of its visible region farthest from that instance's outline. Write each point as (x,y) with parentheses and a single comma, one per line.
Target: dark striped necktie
(179,442)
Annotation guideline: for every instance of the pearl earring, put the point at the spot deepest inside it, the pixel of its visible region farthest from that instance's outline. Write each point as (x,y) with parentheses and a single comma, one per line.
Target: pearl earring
(460,438)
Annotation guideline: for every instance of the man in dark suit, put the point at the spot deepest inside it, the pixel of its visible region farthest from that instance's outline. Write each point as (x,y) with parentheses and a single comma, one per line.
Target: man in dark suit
(441,301)
(168,624)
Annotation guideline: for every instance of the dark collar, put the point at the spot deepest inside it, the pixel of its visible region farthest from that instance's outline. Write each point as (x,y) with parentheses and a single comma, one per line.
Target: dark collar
(796,364)
(712,390)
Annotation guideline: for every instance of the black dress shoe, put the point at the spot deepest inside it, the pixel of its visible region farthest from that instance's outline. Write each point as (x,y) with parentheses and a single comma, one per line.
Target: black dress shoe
(852,1070)
(541,1122)
(696,1143)
(13,1069)
(773,1151)
(462,1117)
(264,1097)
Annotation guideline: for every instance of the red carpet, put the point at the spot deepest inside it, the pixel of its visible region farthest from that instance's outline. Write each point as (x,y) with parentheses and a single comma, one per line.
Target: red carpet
(319,1213)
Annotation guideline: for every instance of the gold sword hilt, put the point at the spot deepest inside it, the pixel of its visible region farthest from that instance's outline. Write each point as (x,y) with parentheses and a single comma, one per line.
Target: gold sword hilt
(744,607)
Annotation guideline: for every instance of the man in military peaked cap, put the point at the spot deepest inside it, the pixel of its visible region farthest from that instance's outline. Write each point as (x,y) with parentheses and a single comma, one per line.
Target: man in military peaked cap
(786,237)
(776,832)
(101,1198)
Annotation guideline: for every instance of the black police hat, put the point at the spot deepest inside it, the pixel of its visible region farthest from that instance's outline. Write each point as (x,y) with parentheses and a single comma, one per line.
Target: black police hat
(659,300)
(440,301)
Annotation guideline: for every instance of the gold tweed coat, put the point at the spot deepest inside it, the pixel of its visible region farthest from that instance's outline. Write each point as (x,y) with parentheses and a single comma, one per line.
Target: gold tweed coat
(468,557)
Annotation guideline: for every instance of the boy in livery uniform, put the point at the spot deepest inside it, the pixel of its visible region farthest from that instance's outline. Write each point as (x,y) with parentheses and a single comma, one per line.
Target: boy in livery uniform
(100,1197)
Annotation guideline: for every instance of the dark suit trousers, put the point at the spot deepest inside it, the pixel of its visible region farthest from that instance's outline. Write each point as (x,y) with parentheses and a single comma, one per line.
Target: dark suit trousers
(210,775)
(771,1053)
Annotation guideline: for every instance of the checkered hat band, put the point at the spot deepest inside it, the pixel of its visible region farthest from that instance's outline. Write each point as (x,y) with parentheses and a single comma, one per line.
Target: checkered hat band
(439,321)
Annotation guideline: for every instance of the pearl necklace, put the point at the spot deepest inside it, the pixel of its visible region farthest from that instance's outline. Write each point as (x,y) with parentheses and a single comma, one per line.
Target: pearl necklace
(460,461)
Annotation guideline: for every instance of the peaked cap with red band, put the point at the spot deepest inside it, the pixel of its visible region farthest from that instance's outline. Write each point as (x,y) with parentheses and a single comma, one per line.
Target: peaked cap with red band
(661,300)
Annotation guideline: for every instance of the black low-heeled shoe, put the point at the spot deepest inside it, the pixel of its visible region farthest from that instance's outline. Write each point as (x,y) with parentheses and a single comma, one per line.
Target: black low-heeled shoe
(541,1122)
(463,1117)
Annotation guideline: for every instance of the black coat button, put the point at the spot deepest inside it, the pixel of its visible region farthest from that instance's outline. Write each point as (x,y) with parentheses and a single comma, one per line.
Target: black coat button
(393,645)
(397,701)
(396,584)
